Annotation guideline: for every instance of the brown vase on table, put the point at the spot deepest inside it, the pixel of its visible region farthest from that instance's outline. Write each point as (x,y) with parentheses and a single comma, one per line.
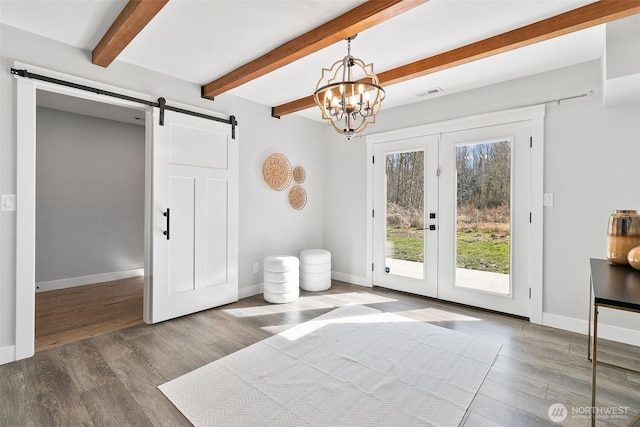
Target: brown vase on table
(623,235)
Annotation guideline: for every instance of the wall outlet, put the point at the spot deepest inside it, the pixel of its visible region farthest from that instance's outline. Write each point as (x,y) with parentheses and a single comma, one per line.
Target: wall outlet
(7,202)
(256,267)
(547,199)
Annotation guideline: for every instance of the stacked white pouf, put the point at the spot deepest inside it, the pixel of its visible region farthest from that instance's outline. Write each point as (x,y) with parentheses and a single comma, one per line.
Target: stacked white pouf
(315,270)
(281,279)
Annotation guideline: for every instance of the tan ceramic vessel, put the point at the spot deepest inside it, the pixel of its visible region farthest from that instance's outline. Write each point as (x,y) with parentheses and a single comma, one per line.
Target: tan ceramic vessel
(623,235)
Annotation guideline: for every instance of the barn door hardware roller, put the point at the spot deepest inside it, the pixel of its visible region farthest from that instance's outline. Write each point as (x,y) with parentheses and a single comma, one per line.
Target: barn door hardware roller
(161,105)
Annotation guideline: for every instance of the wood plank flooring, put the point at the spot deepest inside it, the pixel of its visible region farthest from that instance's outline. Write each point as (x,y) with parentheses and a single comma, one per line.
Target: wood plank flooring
(73,314)
(112,379)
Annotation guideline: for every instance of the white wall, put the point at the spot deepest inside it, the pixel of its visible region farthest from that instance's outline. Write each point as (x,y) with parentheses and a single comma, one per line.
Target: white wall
(89,196)
(268,225)
(591,165)
(623,43)
(345,214)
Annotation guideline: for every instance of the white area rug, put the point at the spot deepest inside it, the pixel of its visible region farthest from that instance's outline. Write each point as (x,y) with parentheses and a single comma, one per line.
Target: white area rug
(353,366)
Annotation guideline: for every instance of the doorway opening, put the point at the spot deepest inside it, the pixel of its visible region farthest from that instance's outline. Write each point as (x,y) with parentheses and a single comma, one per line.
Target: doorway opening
(183,148)
(89,222)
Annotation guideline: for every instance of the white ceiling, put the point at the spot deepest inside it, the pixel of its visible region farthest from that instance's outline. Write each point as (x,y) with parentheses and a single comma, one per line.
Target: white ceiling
(199,41)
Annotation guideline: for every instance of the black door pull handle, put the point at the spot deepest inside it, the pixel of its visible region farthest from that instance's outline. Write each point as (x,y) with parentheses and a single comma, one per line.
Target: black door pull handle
(167,215)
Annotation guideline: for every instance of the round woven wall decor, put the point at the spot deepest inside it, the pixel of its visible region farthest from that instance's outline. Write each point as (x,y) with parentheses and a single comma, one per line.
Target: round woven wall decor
(297,197)
(299,174)
(276,171)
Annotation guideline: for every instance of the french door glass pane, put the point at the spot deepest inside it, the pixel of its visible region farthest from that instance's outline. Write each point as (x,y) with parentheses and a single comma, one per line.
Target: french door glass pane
(404,251)
(483,216)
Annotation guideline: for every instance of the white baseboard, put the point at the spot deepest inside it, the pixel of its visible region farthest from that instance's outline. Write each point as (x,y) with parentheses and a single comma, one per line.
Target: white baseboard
(88,280)
(250,291)
(609,332)
(354,280)
(7,354)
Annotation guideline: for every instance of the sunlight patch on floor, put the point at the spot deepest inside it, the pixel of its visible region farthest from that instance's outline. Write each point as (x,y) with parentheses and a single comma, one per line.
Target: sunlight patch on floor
(357,315)
(310,303)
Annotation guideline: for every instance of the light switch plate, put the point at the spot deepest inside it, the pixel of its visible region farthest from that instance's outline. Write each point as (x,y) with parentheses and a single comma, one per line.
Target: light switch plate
(547,199)
(7,202)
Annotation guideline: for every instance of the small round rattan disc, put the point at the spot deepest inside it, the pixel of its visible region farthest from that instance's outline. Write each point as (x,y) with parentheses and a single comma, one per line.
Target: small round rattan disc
(299,174)
(276,171)
(297,197)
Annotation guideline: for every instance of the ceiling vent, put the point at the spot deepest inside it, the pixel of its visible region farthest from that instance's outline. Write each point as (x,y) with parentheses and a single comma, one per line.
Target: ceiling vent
(430,92)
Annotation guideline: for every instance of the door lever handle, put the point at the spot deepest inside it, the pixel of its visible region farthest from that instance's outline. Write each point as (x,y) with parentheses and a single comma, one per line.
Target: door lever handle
(431,227)
(167,215)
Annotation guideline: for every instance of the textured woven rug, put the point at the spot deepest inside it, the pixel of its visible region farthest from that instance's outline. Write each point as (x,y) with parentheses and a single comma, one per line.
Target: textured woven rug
(352,366)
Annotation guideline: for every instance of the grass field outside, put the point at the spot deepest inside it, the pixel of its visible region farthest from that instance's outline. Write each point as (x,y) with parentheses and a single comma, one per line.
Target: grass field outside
(485,249)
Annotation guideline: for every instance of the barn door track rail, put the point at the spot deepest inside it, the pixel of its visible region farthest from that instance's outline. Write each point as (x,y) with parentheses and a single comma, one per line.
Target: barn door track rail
(161,104)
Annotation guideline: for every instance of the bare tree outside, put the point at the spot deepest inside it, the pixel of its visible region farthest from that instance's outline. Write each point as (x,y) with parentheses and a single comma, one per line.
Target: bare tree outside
(405,205)
(405,189)
(483,221)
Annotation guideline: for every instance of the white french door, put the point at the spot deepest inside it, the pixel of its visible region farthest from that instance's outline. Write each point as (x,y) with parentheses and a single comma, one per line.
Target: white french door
(485,206)
(405,215)
(194,229)
(475,248)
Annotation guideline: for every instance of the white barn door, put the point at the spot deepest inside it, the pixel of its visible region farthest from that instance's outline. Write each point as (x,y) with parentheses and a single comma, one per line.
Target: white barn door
(194,218)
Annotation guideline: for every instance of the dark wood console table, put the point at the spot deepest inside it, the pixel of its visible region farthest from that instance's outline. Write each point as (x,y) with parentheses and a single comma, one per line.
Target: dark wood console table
(612,286)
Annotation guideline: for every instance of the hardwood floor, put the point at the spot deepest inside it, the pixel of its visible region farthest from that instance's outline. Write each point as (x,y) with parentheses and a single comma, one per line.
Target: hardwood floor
(112,379)
(73,314)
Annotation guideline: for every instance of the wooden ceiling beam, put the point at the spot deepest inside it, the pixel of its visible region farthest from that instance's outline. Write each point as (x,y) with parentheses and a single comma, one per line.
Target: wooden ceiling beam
(356,20)
(584,17)
(293,106)
(581,18)
(133,18)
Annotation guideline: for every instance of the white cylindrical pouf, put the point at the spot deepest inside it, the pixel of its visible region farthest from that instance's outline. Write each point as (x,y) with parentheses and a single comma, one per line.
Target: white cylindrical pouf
(315,270)
(281,279)
(280,288)
(281,264)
